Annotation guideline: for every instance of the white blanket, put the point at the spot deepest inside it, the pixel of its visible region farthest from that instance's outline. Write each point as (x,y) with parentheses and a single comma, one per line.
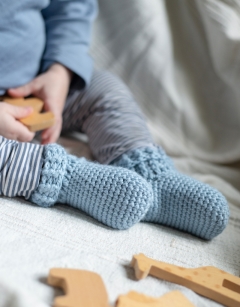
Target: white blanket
(181,59)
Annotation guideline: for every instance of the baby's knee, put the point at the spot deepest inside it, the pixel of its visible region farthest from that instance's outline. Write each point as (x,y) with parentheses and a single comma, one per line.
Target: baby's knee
(108,84)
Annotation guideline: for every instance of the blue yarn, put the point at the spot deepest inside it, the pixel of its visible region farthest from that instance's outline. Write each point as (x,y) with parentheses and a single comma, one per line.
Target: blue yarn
(114,196)
(179,201)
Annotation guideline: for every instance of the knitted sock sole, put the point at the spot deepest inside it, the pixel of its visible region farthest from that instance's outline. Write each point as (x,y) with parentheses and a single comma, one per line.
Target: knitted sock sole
(179,201)
(114,196)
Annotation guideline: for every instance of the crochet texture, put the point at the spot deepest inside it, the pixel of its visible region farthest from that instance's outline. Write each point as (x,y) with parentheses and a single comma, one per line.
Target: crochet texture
(179,201)
(114,196)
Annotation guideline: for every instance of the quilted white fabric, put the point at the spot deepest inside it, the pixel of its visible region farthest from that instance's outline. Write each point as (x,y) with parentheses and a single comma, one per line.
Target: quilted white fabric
(181,59)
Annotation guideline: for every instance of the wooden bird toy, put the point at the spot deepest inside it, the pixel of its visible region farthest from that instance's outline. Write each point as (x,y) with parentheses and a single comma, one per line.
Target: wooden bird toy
(209,281)
(36,121)
(82,288)
(171,299)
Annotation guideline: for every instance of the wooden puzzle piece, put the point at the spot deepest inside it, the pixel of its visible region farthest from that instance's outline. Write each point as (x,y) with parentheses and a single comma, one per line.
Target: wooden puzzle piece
(82,288)
(171,299)
(36,121)
(209,281)
(35,103)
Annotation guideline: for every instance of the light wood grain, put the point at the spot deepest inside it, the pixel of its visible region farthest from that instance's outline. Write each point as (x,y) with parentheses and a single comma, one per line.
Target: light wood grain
(209,281)
(38,121)
(82,288)
(171,299)
(35,103)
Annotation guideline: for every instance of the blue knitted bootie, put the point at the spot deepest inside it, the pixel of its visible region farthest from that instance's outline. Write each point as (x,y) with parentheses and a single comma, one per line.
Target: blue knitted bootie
(114,196)
(179,200)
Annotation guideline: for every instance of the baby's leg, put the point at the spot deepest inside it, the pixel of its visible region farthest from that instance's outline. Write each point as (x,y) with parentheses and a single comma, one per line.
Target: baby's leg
(20,167)
(46,175)
(108,114)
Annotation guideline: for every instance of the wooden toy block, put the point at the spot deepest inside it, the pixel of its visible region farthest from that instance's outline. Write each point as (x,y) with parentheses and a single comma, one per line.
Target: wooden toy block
(35,103)
(171,299)
(209,281)
(82,288)
(36,121)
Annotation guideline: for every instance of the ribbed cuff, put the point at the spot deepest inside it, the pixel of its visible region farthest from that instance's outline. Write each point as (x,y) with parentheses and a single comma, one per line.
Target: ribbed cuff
(54,166)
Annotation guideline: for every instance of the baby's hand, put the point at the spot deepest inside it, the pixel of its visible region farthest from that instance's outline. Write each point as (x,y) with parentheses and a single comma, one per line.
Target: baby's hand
(52,87)
(10,127)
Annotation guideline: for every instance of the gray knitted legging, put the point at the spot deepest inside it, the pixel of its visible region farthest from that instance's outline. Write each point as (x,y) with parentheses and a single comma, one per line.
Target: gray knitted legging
(108,114)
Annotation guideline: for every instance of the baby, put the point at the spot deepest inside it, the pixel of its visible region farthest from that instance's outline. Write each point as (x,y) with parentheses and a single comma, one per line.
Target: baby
(44,52)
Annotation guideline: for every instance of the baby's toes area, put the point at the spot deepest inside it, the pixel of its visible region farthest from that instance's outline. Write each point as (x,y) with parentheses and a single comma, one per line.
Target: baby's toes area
(192,206)
(114,196)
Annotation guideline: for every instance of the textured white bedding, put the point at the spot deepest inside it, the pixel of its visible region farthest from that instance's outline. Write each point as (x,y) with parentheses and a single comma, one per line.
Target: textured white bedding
(181,59)
(33,240)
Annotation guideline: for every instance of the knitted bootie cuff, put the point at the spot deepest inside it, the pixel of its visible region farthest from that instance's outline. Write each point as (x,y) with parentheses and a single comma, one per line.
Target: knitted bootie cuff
(149,162)
(52,176)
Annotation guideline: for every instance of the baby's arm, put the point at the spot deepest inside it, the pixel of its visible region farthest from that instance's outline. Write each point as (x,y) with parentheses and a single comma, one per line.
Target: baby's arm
(68,28)
(68,25)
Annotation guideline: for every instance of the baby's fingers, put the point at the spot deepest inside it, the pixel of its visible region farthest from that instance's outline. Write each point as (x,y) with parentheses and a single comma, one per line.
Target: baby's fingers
(51,134)
(22,133)
(19,112)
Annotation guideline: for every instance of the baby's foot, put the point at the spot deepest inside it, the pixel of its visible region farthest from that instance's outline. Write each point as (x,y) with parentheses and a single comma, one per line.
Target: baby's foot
(179,201)
(114,196)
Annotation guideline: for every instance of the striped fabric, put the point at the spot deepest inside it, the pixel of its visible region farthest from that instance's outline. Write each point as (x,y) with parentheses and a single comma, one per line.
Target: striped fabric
(107,113)
(20,166)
